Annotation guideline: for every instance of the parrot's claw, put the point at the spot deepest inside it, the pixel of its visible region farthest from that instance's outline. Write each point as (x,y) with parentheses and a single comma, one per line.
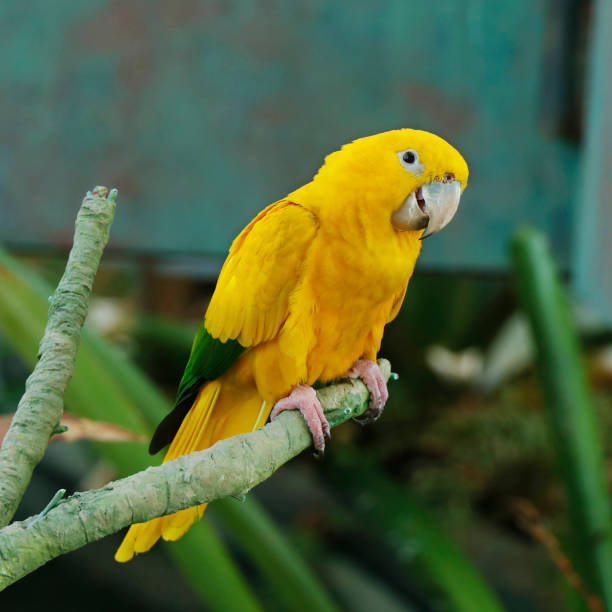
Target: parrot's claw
(374,380)
(304,399)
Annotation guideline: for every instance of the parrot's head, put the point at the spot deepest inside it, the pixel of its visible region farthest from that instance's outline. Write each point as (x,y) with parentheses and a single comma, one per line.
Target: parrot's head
(411,178)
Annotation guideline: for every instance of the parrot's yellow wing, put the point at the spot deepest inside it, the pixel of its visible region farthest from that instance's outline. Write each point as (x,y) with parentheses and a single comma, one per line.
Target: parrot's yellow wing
(251,300)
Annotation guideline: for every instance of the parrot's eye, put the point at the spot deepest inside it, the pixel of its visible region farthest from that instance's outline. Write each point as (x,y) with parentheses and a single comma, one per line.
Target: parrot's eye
(410,160)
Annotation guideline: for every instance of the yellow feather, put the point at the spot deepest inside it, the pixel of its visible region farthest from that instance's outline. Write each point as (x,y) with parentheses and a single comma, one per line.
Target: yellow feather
(251,301)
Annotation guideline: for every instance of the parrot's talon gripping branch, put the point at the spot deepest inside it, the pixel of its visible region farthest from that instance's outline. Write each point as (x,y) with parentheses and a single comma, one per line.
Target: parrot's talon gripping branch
(373,378)
(304,399)
(367,420)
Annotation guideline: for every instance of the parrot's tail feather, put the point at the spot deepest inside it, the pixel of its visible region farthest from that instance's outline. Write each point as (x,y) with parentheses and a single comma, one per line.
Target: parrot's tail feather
(219,411)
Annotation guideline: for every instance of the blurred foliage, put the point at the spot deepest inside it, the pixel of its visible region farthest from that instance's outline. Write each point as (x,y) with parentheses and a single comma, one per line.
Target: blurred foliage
(397,524)
(124,396)
(573,424)
(22,319)
(464,456)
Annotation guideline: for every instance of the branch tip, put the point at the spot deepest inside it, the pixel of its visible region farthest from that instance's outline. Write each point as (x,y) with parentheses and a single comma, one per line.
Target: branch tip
(100,191)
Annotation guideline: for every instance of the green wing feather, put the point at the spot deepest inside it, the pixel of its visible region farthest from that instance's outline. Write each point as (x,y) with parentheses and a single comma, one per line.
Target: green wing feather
(209,359)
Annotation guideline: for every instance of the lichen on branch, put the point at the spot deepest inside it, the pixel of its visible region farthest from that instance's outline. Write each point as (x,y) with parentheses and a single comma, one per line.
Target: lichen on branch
(41,406)
(231,467)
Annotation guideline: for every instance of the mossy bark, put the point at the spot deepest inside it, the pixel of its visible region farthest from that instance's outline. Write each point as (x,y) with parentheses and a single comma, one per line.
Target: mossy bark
(41,406)
(232,467)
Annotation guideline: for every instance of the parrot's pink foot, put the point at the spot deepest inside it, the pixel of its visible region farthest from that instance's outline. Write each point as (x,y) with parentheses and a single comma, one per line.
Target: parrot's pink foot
(304,399)
(373,379)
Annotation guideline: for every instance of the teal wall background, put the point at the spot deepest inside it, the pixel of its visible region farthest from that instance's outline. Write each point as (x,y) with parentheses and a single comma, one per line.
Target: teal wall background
(593,244)
(201,113)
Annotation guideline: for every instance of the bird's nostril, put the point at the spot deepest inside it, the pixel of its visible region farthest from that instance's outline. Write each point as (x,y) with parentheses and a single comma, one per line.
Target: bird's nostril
(448,177)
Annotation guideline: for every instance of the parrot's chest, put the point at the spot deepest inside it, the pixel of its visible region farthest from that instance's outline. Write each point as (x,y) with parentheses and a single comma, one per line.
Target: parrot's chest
(353,290)
(337,312)
(365,274)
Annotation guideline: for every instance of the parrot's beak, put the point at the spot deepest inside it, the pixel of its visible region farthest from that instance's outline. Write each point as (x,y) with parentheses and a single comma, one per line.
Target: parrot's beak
(430,207)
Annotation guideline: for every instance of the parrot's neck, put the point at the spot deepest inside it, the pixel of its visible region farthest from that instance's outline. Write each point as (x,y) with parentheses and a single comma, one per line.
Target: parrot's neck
(363,215)
(361,220)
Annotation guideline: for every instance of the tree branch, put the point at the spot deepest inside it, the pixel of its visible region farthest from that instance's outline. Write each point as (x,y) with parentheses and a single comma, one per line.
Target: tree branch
(41,406)
(231,467)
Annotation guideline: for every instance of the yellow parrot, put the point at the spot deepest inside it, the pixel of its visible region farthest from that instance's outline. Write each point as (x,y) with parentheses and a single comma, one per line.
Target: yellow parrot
(304,296)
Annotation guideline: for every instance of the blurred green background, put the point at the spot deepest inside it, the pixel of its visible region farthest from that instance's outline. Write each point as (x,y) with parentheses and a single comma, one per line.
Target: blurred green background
(476,491)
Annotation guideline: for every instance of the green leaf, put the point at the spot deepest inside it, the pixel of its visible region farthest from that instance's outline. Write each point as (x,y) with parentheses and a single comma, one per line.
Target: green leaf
(417,541)
(570,409)
(295,584)
(200,553)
